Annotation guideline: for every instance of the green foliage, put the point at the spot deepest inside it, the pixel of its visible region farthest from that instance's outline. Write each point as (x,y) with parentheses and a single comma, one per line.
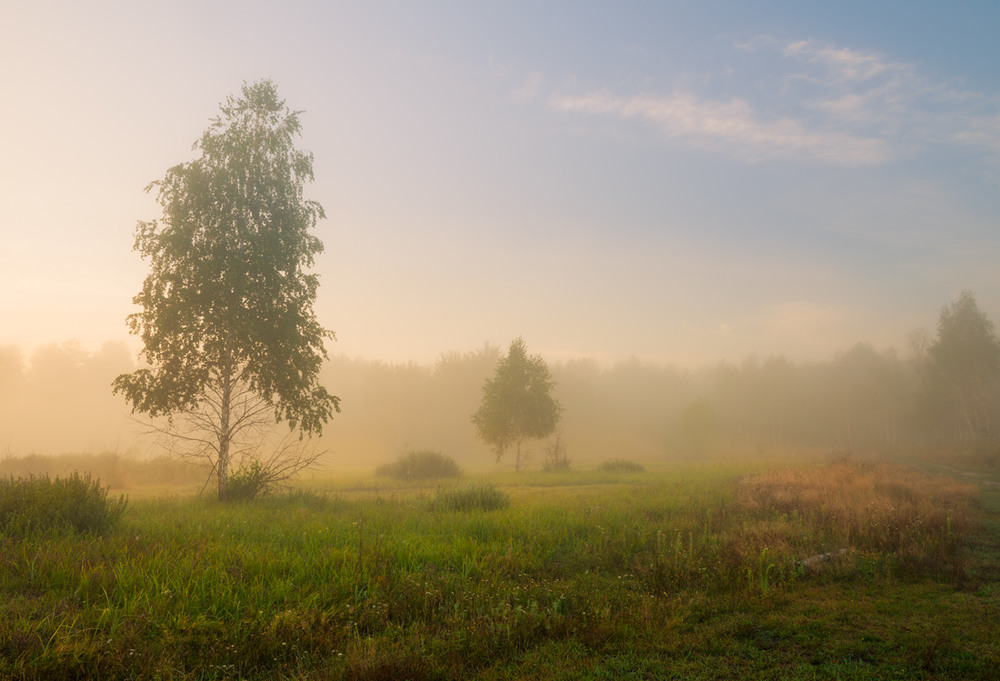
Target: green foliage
(622,466)
(226,313)
(479,497)
(39,503)
(425,464)
(247,483)
(517,403)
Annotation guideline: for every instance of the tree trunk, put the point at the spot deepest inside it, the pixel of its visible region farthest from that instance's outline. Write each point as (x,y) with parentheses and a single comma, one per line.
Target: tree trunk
(517,459)
(226,380)
(222,465)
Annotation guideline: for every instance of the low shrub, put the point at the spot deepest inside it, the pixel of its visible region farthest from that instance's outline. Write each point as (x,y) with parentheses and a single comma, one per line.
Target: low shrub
(75,501)
(622,466)
(420,465)
(484,497)
(247,483)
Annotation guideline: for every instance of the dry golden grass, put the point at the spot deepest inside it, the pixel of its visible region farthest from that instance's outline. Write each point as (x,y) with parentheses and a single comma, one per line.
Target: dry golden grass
(869,507)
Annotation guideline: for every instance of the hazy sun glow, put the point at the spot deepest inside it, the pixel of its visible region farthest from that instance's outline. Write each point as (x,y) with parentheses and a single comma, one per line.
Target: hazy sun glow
(680,189)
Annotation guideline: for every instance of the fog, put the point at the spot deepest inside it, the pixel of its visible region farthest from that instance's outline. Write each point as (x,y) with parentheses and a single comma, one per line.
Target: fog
(57,399)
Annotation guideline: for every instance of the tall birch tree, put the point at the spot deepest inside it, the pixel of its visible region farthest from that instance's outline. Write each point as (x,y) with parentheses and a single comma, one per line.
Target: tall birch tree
(230,338)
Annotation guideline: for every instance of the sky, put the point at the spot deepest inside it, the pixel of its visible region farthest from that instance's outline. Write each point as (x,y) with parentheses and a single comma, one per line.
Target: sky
(681,182)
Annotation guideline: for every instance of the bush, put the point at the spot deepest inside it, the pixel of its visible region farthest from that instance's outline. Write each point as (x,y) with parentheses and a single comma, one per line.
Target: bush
(39,503)
(422,465)
(470,498)
(247,483)
(622,466)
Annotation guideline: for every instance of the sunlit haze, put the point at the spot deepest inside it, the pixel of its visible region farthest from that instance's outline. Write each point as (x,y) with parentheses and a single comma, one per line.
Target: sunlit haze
(679,182)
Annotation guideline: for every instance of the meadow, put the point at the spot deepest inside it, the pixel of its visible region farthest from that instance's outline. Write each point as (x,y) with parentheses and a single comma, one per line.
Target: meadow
(837,569)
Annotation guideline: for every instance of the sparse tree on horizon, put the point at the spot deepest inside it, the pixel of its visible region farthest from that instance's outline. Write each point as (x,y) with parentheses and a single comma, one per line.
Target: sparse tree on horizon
(517,403)
(962,374)
(226,311)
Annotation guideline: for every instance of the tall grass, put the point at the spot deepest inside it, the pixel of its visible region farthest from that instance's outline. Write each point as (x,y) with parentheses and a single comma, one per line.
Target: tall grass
(37,504)
(916,518)
(475,497)
(310,586)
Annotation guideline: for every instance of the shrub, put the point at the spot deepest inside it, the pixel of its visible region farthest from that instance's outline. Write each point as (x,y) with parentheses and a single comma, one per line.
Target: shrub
(38,503)
(485,497)
(420,465)
(622,466)
(247,483)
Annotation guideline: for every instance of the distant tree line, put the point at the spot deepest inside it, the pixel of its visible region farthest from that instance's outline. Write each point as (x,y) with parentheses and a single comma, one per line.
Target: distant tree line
(944,393)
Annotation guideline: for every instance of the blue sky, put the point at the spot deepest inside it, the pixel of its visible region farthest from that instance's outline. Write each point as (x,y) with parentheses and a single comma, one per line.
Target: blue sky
(681,182)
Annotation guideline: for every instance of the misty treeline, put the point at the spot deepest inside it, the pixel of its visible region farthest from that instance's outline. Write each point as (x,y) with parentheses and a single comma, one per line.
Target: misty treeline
(939,394)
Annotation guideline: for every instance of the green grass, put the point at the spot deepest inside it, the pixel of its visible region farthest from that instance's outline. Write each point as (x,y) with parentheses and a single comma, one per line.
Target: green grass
(691,573)
(473,497)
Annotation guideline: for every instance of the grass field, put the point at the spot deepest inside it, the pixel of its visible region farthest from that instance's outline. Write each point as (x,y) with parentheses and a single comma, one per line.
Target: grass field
(690,573)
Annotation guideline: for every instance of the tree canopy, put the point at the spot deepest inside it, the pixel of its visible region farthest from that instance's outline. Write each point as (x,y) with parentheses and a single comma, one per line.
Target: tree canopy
(226,312)
(517,403)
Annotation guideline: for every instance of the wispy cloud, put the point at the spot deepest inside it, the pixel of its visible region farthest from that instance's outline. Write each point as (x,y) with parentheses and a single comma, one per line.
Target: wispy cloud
(828,105)
(843,63)
(730,125)
(893,99)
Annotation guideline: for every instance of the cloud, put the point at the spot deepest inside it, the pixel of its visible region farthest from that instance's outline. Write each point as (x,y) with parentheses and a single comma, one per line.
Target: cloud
(893,99)
(843,64)
(730,125)
(815,103)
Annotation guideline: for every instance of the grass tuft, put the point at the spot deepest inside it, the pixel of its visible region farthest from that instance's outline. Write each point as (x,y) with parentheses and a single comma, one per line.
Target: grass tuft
(482,497)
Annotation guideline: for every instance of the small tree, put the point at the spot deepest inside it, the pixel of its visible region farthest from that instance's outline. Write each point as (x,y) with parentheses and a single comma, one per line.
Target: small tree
(517,403)
(226,317)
